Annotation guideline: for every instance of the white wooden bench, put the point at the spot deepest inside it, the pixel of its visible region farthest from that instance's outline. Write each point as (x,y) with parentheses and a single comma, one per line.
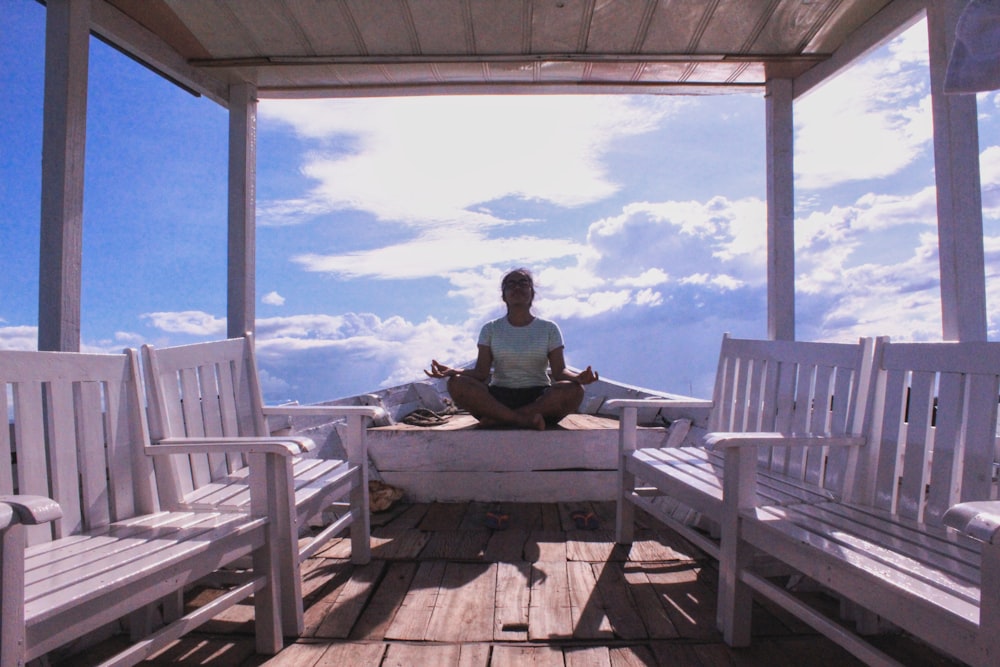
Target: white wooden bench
(212,390)
(761,386)
(885,545)
(84,541)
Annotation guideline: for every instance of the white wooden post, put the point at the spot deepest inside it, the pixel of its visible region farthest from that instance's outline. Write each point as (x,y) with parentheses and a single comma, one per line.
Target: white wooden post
(64,133)
(959,196)
(242,208)
(780,211)
(625,511)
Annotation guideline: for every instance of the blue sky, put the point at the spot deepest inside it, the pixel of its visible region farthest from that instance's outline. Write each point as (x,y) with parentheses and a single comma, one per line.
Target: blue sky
(384,225)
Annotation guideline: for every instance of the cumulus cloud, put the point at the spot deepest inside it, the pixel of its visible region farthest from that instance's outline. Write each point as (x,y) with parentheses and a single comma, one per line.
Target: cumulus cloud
(681,239)
(871,121)
(273,299)
(18,337)
(388,157)
(440,252)
(192,322)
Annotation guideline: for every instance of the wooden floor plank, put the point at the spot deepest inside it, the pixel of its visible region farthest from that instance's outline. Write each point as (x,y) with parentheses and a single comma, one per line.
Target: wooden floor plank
(506,546)
(688,601)
(385,602)
(344,612)
(463,611)
(407,655)
(587,656)
(442,516)
(618,602)
(649,605)
(590,621)
(398,544)
(298,654)
(474,655)
(549,612)
(638,655)
(526,656)
(456,545)
(510,618)
(593,546)
(414,613)
(546,545)
(324,596)
(352,653)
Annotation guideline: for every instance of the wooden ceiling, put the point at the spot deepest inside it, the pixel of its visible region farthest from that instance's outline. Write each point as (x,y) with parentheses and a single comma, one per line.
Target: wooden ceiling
(329,48)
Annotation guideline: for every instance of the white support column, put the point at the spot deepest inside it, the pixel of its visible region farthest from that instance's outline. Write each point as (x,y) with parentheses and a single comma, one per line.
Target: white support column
(959,196)
(780,211)
(64,134)
(242,208)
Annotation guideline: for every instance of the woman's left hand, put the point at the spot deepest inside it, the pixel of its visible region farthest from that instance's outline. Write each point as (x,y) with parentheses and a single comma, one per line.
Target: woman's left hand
(587,376)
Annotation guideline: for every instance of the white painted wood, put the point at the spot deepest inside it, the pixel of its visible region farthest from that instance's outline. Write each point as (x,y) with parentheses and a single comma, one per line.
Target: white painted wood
(930,433)
(893,19)
(64,134)
(959,196)
(206,399)
(101,551)
(780,179)
(543,486)
(241,265)
(780,411)
(129,36)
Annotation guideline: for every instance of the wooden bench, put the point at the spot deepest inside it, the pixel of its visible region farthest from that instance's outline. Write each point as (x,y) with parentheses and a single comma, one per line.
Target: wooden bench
(212,391)
(761,386)
(85,543)
(884,544)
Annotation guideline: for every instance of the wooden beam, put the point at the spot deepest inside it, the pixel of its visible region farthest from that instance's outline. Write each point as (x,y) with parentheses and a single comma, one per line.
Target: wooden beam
(780,211)
(64,134)
(125,34)
(959,195)
(896,17)
(242,209)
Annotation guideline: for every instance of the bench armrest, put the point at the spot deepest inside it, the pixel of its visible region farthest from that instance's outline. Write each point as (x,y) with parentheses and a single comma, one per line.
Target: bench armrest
(617,403)
(30,510)
(978,519)
(371,411)
(282,446)
(723,440)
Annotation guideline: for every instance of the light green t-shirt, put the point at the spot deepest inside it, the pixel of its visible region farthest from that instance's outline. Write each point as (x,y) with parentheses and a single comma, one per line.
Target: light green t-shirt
(521,354)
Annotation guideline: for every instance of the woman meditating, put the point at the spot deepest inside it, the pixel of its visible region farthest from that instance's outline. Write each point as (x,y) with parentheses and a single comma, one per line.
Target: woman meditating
(520,349)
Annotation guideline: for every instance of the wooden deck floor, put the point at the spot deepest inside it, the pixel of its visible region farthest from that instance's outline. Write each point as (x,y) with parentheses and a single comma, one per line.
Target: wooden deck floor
(443,590)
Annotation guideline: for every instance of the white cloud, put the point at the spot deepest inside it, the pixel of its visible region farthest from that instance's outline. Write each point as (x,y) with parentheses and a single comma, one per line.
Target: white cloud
(193,322)
(436,253)
(869,122)
(18,337)
(677,240)
(432,161)
(273,299)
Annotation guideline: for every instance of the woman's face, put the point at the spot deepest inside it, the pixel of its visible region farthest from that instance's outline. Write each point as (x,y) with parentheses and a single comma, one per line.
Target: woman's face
(518,287)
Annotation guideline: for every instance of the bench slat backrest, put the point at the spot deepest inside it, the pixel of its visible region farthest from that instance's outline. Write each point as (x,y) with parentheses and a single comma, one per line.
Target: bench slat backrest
(78,435)
(203,390)
(793,387)
(932,428)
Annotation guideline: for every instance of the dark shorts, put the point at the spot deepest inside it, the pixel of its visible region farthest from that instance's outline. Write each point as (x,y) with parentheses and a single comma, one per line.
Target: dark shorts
(515,398)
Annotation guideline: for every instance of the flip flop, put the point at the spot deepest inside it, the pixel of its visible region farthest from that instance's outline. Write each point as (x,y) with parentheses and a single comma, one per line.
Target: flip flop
(586,520)
(497,520)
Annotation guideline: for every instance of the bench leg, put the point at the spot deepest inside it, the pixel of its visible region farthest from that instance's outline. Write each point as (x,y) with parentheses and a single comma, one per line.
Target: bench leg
(357,455)
(625,510)
(12,640)
(735,597)
(289,583)
(989,605)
